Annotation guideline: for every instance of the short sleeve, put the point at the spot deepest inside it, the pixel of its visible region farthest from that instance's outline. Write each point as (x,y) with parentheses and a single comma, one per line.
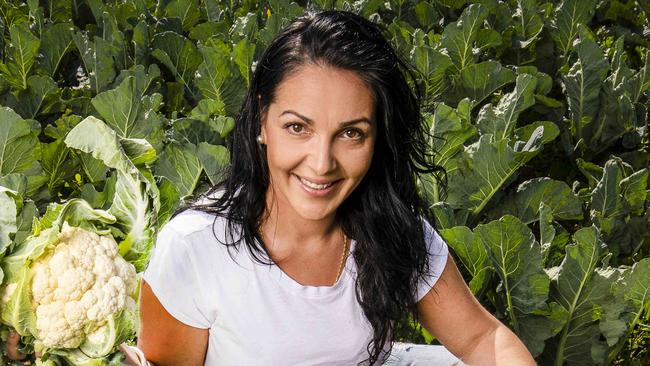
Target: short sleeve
(438,252)
(175,278)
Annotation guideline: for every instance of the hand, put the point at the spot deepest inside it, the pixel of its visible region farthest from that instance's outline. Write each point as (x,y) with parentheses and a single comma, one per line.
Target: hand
(12,347)
(132,358)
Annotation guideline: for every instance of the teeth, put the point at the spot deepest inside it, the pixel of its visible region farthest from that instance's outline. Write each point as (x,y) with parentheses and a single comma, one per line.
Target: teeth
(314,185)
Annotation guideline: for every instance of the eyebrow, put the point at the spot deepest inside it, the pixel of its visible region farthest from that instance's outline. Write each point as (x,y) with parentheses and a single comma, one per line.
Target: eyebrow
(311,121)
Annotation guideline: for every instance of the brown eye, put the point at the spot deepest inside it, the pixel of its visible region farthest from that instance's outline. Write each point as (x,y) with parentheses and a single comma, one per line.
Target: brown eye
(295,128)
(353,133)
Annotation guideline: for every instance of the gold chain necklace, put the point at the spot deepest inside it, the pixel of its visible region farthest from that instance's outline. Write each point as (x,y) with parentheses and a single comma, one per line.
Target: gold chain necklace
(343,256)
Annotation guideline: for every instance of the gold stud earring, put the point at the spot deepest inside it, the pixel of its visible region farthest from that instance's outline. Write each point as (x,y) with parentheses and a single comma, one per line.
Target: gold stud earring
(260,139)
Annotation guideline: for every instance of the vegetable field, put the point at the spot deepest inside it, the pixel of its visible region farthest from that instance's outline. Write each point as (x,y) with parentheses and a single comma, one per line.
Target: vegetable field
(113,113)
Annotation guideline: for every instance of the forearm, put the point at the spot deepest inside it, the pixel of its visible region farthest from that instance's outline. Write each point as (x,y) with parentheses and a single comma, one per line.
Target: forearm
(499,347)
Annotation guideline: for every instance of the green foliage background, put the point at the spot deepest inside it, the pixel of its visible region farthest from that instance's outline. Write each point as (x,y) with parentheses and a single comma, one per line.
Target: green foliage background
(538,111)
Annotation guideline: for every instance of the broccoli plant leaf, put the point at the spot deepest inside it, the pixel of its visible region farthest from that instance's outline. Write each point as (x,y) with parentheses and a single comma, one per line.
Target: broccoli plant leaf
(179,55)
(181,166)
(634,191)
(501,120)
(185,10)
(525,202)
(41,96)
(487,165)
(18,143)
(450,129)
(214,159)
(568,17)
(515,256)
(129,113)
(10,206)
(98,56)
(471,253)
(136,201)
(606,198)
(58,164)
(528,23)
(219,78)
(480,80)
(578,286)
(56,41)
(432,64)
(458,38)
(21,57)
(243,53)
(584,81)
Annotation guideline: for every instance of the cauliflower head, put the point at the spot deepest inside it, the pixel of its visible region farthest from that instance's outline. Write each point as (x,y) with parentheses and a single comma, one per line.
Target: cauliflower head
(78,286)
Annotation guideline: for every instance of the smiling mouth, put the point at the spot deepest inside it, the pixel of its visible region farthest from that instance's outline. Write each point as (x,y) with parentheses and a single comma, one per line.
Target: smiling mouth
(315,186)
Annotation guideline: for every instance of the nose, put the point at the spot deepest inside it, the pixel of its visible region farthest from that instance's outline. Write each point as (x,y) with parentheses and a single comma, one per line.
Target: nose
(323,159)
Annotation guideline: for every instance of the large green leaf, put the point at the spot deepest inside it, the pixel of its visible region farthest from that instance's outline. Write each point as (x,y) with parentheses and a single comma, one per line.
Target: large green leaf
(568,17)
(135,203)
(24,49)
(487,165)
(450,129)
(432,64)
(528,23)
(214,159)
(187,11)
(606,197)
(583,82)
(98,57)
(219,78)
(578,286)
(242,54)
(500,121)
(515,256)
(42,95)
(479,81)
(525,202)
(18,143)
(458,38)
(58,164)
(181,166)
(56,41)
(179,55)
(128,112)
(630,300)
(472,254)
(10,206)
(634,191)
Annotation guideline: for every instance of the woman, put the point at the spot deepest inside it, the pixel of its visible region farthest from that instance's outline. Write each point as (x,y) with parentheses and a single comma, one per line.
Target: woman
(322,187)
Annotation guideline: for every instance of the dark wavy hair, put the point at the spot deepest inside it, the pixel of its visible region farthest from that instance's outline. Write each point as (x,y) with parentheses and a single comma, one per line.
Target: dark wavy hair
(384,214)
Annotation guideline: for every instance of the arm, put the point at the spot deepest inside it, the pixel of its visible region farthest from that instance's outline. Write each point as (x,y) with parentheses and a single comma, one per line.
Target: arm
(453,315)
(165,340)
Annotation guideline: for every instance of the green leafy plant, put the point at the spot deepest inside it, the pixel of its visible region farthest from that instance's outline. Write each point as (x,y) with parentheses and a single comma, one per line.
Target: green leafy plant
(538,111)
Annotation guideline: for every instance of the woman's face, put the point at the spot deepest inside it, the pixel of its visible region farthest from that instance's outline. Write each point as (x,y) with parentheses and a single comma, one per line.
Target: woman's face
(320,134)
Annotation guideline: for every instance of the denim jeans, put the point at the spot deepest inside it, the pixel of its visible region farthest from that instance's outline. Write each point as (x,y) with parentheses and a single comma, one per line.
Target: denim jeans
(407,354)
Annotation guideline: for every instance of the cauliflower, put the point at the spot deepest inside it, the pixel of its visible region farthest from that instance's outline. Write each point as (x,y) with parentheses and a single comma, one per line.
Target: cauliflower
(78,286)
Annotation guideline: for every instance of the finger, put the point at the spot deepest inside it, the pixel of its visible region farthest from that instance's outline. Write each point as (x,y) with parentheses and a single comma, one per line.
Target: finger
(12,347)
(130,357)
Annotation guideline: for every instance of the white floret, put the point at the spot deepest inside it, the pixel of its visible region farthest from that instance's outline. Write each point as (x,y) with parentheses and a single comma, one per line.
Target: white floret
(78,286)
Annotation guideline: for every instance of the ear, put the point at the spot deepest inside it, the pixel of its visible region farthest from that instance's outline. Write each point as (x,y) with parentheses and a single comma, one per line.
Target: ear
(263,125)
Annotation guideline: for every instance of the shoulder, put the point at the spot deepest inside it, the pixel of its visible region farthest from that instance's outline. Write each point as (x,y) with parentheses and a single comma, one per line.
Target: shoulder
(435,244)
(189,222)
(195,233)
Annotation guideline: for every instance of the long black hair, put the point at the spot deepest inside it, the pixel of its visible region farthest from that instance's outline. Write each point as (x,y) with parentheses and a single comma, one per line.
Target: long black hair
(384,214)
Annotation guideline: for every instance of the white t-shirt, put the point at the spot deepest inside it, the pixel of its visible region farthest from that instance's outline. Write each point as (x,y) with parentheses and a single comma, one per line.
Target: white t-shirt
(256,314)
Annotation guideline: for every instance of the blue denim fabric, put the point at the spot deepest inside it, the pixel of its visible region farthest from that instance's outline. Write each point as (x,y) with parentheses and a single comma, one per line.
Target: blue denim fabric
(406,354)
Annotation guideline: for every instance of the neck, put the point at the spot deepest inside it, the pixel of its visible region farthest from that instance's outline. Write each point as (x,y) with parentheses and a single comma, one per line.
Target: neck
(285,231)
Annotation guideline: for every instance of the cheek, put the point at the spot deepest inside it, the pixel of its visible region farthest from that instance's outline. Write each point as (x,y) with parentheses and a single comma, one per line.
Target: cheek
(359,163)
